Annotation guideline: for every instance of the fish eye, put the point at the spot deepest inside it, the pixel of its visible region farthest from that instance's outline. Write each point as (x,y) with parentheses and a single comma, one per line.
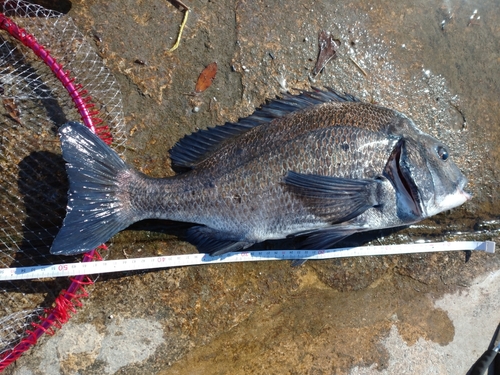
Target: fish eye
(442,152)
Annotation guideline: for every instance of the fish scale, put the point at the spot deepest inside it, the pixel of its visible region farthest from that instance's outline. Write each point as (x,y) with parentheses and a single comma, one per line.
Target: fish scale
(320,165)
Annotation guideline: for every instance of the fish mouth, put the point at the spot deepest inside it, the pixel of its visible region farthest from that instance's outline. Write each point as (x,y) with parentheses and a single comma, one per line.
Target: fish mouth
(401,179)
(464,193)
(467,196)
(450,201)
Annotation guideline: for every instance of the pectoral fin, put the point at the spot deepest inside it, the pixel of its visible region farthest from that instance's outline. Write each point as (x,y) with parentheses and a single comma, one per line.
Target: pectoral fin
(335,199)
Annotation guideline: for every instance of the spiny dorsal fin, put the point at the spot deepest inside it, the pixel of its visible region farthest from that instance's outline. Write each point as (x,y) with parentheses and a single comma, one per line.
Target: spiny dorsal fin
(195,147)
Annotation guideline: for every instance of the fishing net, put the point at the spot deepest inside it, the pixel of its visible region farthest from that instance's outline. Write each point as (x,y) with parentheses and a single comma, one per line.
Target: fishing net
(39,91)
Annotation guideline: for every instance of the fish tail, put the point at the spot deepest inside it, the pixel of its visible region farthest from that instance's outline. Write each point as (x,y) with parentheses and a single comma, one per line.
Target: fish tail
(96,208)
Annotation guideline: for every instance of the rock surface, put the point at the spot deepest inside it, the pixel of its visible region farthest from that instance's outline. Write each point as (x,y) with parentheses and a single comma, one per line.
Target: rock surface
(425,314)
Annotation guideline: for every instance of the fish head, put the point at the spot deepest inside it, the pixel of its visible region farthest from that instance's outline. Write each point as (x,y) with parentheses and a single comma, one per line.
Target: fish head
(425,178)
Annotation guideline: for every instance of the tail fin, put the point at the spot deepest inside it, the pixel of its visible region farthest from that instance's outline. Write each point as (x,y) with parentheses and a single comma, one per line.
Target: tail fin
(94,212)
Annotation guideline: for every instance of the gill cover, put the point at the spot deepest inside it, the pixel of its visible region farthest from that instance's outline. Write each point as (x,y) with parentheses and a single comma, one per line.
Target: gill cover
(399,172)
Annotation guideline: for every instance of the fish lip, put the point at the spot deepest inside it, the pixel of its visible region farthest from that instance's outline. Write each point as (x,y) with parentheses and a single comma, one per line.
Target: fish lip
(461,189)
(468,196)
(400,177)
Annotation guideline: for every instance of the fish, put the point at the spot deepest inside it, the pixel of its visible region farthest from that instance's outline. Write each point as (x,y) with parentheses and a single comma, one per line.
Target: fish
(318,166)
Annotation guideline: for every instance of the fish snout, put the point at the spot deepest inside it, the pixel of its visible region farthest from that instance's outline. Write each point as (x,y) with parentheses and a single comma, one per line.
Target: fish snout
(467,196)
(461,189)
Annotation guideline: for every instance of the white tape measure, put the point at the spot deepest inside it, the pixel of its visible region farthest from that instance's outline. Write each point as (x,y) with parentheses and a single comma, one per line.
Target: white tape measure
(107,266)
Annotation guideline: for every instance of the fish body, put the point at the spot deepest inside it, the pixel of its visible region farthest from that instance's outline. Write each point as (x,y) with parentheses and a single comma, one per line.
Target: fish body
(320,165)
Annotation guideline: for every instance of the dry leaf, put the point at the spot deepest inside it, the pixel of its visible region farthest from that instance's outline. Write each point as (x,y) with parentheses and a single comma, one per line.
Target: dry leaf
(327,50)
(12,110)
(206,78)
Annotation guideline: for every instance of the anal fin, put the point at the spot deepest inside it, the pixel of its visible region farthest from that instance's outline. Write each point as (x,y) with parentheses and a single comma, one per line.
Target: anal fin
(323,239)
(326,238)
(213,242)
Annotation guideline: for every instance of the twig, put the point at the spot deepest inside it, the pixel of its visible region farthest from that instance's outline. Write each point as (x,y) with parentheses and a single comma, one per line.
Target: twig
(179,2)
(359,67)
(186,13)
(464,123)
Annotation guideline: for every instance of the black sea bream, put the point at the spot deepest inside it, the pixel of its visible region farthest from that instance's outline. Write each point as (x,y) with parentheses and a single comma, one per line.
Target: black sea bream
(320,165)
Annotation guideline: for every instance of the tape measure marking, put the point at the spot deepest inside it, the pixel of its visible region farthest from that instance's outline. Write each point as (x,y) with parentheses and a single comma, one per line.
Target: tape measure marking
(136,264)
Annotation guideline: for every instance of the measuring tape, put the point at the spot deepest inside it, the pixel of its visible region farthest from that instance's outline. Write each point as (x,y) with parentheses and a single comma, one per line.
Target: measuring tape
(136,264)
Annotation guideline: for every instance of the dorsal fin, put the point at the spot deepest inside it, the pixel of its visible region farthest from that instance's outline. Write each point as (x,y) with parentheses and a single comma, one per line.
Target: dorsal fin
(195,147)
